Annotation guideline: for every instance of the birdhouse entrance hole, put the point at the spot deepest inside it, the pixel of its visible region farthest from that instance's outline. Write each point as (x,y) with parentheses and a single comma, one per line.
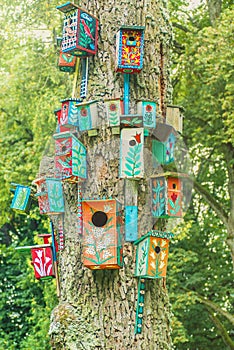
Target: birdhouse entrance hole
(99,219)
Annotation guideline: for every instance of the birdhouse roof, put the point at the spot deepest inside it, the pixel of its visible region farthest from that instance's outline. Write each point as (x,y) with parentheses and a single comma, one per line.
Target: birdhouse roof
(163,131)
(132,27)
(71,99)
(69,6)
(155,233)
(86,103)
(63,135)
(171,174)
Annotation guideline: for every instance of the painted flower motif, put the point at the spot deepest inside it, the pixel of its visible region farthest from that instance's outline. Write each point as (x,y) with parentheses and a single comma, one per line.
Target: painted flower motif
(152,264)
(83,112)
(101,245)
(163,255)
(148,108)
(106,254)
(161,265)
(97,231)
(138,137)
(90,240)
(112,107)
(153,255)
(174,197)
(163,242)
(39,253)
(90,251)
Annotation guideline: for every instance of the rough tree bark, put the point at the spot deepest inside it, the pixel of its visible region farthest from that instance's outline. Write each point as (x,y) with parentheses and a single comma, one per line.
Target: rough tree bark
(96,309)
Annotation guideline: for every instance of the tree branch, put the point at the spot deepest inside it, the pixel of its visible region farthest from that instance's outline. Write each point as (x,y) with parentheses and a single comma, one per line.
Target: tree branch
(216,308)
(225,336)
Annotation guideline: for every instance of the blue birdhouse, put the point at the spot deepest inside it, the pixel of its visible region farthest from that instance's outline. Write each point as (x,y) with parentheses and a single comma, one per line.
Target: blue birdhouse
(147,109)
(21,200)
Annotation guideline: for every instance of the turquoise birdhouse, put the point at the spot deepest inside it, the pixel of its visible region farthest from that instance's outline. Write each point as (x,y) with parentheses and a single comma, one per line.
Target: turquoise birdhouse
(50,195)
(147,109)
(88,115)
(70,157)
(21,200)
(163,144)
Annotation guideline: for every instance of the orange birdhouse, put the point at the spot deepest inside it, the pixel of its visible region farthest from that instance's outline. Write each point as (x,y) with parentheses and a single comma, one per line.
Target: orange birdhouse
(152,254)
(102,234)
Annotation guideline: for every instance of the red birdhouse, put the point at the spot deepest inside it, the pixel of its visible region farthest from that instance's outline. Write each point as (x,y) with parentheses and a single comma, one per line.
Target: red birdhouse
(42,261)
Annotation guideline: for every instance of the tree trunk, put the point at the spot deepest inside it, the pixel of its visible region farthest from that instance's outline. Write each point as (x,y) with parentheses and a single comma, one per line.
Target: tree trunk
(97,309)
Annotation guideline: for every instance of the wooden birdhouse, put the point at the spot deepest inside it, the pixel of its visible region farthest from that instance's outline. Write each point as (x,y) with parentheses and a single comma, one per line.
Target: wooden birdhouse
(70,157)
(163,144)
(80,31)
(131,153)
(174,117)
(67,62)
(102,234)
(50,195)
(131,121)
(167,195)
(42,261)
(129,49)
(87,115)
(68,117)
(148,110)
(21,200)
(152,254)
(114,108)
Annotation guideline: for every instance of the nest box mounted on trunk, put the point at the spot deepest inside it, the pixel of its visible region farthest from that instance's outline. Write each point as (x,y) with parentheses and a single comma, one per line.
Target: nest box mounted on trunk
(167,195)
(102,234)
(50,195)
(68,117)
(129,49)
(152,254)
(147,108)
(80,30)
(163,144)
(70,157)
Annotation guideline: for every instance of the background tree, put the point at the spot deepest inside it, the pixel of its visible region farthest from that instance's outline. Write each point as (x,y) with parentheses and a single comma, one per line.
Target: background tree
(204,72)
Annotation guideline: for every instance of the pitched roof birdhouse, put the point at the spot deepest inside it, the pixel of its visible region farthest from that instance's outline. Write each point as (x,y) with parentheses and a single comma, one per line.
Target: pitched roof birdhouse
(68,117)
(21,200)
(88,115)
(102,234)
(174,117)
(163,144)
(131,153)
(80,30)
(129,49)
(70,157)
(114,108)
(167,195)
(50,195)
(148,110)
(152,254)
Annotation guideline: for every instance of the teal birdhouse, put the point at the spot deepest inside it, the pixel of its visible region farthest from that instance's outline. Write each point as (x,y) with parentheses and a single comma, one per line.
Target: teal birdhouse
(114,108)
(80,31)
(50,195)
(152,254)
(21,200)
(163,144)
(88,115)
(70,157)
(167,196)
(147,109)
